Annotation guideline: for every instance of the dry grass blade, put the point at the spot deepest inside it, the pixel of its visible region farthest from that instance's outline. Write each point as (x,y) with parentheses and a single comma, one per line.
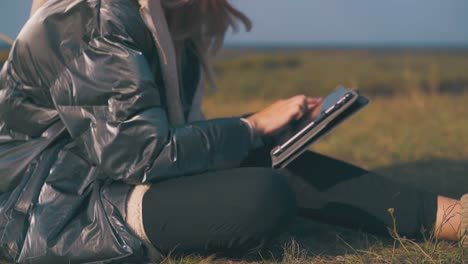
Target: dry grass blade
(293,253)
(404,242)
(6,39)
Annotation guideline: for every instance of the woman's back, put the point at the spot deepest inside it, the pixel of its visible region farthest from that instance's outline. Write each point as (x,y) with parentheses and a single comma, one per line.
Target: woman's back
(49,177)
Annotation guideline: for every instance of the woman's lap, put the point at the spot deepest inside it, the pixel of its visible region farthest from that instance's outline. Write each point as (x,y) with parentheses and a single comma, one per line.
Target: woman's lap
(230,211)
(238,209)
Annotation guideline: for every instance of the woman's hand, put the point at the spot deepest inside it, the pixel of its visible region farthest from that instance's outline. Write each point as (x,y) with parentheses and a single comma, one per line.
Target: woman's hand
(277,116)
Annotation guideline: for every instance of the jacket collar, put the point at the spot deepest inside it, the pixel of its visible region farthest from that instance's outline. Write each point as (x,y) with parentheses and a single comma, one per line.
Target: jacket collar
(153,15)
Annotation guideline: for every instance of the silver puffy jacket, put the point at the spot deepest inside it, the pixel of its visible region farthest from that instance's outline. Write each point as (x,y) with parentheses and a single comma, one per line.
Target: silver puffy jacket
(82,119)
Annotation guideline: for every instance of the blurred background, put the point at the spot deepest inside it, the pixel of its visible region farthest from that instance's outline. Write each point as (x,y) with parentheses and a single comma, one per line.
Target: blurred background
(409,57)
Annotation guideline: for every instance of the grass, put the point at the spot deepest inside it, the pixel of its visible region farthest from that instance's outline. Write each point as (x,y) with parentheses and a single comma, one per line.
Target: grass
(261,75)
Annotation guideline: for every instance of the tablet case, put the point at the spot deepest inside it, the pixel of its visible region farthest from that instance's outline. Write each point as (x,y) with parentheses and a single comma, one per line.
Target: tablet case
(281,158)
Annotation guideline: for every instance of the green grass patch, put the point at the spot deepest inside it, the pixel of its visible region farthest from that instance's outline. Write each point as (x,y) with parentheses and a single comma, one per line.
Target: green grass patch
(273,75)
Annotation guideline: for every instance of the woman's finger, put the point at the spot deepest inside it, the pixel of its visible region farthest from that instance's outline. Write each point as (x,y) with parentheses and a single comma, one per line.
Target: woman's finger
(314,105)
(298,112)
(305,106)
(315,111)
(299,101)
(313,100)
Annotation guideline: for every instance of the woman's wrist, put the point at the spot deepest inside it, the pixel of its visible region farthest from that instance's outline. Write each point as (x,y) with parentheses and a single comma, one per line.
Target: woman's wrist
(252,130)
(255,138)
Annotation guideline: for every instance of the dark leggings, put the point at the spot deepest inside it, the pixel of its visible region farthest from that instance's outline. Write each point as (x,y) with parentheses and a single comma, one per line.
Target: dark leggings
(239,210)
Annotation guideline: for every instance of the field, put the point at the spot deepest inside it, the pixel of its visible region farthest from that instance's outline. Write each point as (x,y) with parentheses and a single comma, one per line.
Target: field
(415,131)
(270,74)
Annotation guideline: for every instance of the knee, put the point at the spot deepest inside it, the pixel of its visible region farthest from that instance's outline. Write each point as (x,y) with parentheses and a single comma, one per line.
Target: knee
(272,186)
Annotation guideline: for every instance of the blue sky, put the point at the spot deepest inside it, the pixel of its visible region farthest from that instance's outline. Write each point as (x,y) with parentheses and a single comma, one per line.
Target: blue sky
(327,21)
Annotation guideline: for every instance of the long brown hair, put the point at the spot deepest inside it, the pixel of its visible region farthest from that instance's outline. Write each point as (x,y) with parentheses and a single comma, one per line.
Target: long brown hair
(206,23)
(203,21)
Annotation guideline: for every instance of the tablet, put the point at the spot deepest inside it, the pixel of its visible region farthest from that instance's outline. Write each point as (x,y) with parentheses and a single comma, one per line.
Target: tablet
(336,107)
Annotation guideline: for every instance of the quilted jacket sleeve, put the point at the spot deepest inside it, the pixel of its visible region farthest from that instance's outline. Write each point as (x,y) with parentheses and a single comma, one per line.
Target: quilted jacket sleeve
(108,100)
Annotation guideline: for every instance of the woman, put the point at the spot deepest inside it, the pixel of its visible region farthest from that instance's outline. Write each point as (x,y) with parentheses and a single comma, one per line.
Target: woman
(105,156)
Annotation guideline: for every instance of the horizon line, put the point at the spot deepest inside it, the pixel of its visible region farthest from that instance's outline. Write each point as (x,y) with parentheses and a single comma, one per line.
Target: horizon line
(423,45)
(332,45)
